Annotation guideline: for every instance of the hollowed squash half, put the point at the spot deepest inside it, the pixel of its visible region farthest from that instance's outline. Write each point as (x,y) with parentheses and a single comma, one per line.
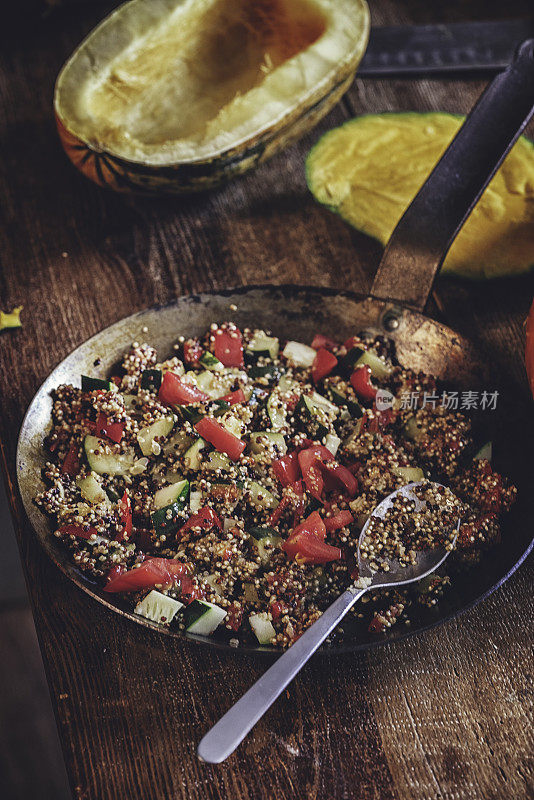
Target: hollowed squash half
(180,95)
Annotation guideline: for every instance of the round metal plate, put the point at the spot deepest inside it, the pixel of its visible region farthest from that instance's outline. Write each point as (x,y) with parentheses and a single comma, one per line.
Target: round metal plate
(297,313)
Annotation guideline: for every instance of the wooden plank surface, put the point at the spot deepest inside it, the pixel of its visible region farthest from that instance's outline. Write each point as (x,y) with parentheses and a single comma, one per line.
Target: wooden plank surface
(443,715)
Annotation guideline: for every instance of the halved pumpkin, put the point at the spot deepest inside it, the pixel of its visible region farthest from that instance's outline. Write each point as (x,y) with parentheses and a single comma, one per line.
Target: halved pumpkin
(180,95)
(369,170)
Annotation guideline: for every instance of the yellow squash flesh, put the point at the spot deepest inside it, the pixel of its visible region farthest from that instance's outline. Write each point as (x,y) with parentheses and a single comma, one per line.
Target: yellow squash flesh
(179,95)
(369,169)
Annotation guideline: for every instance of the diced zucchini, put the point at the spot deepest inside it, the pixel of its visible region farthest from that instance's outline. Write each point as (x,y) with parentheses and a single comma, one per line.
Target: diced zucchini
(332,443)
(349,361)
(215,461)
(211,383)
(409,474)
(412,430)
(271,372)
(151,379)
(220,407)
(131,402)
(262,440)
(178,443)
(485,452)
(233,425)
(299,354)
(195,501)
(192,458)
(158,607)
(276,410)
(191,414)
(104,461)
(260,496)
(97,384)
(167,519)
(379,368)
(250,593)
(214,583)
(203,617)
(262,627)
(161,428)
(208,361)
(287,384)
(325,404)
(263,345)
(314,416)
(265,539)
(91,490)
(337,397)
(171,494)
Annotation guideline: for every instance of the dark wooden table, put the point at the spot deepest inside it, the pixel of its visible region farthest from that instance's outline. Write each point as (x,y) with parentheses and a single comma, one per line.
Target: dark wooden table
(447,714)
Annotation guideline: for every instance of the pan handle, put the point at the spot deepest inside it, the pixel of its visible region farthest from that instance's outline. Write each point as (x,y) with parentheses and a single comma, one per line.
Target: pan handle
(428,227)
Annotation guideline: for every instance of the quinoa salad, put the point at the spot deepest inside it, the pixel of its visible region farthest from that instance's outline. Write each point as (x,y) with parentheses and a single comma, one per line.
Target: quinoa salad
(222,491)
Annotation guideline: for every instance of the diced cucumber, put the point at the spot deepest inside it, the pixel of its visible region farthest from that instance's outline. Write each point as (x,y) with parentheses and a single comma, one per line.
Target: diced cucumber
(260,496)
(233,425)
(349,361)
(276,410)
(261,531)
(263,440)
(215,461)
(322,402)
(97,384)
(332,443)
(192,458)
(379,368)
(264,345)
(220,407)
(195,501)
(151,379)
(104,461)
(203,617)
(131,402)
(91,490)
(208,361)
(485,452)
(287,384)
(409,474)
(299,354)
(167,519)
(158,607)
(170,494)
(191,414)
(262,627)
(161,428)
(214,583)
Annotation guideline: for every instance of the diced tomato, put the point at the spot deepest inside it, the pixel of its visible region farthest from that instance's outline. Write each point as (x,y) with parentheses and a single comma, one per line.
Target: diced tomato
(323,364)
(114,572)
(492,501)
(287,468)
(361,383)
(235,397)
(343,476)
(220,438)
(175,391)
(278,608)
(80,531)
(205,519)
(320,341)
(337,521)
(228,347)
(152,572)
(71,462)
(113,430)
(306,542)
(192,352)
(292,498)
(234,616)
(189,590)
(125,514)
(310,461)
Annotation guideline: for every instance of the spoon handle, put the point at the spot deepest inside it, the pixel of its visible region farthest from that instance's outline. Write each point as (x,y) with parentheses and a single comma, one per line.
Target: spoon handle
(232,728)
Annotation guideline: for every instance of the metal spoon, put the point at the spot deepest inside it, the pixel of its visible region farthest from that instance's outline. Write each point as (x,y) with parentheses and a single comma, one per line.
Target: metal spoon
(232,728)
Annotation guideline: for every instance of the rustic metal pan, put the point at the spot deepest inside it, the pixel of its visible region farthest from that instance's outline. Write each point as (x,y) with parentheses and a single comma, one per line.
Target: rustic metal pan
(394,309)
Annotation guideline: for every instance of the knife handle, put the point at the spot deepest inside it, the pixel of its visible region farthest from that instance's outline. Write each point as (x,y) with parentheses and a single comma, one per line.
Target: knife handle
(428,227)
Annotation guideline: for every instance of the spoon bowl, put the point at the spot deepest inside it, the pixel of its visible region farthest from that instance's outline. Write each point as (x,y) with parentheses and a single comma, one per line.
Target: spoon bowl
(232,728)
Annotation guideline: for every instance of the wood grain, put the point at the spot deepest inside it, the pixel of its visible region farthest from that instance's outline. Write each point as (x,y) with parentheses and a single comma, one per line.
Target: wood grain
(443,715)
